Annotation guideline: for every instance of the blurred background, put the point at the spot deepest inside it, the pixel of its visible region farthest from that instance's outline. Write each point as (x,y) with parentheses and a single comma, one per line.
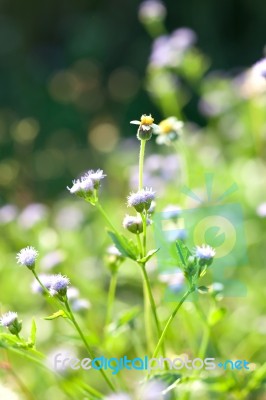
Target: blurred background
(73,74)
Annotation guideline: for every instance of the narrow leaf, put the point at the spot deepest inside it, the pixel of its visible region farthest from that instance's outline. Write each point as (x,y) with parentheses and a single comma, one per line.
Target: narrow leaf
(183,252)
(148,256)
(60,313)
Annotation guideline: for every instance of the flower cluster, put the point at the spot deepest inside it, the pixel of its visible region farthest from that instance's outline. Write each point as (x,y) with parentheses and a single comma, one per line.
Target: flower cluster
(87,186)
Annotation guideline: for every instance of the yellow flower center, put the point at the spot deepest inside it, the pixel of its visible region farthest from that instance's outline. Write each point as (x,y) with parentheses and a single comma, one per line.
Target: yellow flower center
(146,120)
(165,126)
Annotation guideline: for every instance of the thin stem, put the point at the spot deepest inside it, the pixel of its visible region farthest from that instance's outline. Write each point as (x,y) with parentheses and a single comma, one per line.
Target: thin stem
(152,302)
(105,216)
(144,223)
(147,319)
(90,352)
(172,316)
(38,279)
(140,246)
(141,162)
(111,298)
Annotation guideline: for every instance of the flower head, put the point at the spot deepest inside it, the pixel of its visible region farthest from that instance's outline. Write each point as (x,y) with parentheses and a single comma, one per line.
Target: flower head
(94,176)
(141,200)
(146,127)
(59,285)
(10,321)
(113,258)
(27,257)
(87,184)
(133,224)
(205,254)
(168,130)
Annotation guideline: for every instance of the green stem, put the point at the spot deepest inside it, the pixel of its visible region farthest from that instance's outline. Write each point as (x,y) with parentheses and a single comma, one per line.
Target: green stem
(105,216)
(152,303)
(170,319)
(111,298)
(144,222)
(141,162)
(90,352)
(140,246)
(147,319)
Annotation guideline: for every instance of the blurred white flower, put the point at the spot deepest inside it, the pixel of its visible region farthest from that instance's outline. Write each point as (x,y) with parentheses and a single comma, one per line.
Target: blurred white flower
(69,217)
(32,214)
(150,10)
(52,259)
(8,213)
(261,210)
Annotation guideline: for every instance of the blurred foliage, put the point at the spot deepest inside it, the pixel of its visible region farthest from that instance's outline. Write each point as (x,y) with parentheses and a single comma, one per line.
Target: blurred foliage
(72,76)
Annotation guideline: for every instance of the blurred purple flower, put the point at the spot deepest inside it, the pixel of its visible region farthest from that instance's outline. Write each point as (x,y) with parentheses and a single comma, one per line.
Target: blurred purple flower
(52,259)
(32,214)
(8,213)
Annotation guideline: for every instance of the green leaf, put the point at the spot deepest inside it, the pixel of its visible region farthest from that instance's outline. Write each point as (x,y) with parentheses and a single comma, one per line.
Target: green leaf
(203,289)
(126,246)
(183,252)
(33,331)
(60,313)
(148,256)
(124,319)
(216,315)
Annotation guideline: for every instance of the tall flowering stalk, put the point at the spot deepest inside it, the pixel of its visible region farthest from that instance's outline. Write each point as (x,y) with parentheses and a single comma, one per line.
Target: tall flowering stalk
(142,201)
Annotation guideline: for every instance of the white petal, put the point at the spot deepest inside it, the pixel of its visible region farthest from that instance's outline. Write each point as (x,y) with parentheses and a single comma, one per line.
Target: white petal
(135,122)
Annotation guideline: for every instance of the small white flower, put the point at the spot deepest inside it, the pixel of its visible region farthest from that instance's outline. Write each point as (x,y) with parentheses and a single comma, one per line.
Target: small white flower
(8,319)
(133,224)
(205,252)
(146,127)
(113,251)
(59,285)
(168,130)
(141,200)
(94,176)
(27,257)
